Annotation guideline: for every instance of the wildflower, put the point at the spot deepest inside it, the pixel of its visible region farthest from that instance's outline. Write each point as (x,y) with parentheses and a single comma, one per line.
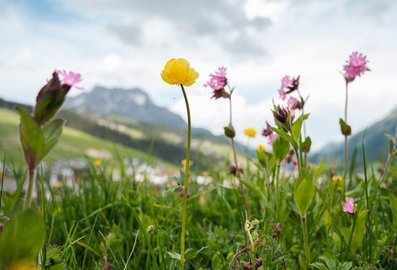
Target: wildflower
(70,78)
(217,83)
(24,265)
(235,170)
(250,132)
(337,180)
(106,264)
(261,148)
(356,66)
(183,163)
(178,71)
(269,133)
(218,80)
(282,114)
(288,85)
(276,230)
(97,162)
(349,206)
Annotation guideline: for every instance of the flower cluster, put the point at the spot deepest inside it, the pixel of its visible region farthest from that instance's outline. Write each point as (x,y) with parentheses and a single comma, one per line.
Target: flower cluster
(218,82)
(356,66)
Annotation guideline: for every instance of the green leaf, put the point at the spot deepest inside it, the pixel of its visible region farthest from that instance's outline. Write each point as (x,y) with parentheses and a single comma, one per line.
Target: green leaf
(304,194)
(31,136)
(345,128)
(285,136)
(52,132)
(393,171)
(359,231)
(307,145)
(393,205)
(22,238)
(297,126)
(280,148)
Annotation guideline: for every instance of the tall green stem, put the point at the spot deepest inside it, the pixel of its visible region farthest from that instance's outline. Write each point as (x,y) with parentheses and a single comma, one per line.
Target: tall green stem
(186,182)
(305,239)
(345,148)
(29,191)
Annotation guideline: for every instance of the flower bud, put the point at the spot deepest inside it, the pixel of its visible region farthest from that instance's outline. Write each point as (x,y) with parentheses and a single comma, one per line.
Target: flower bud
(248,266)
(229,131)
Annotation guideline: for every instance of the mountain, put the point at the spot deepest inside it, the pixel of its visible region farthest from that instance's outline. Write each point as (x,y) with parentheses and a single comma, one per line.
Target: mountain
(375,142)
(132,104)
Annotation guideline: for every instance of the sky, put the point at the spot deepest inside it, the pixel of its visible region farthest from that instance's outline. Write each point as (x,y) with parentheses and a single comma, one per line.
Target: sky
(126,43)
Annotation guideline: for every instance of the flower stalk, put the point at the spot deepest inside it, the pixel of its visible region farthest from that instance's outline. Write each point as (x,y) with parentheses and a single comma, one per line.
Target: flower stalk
(186,180)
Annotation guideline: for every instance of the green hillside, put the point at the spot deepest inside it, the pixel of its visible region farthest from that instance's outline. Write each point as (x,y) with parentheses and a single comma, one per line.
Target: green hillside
(73,143)
(375,142)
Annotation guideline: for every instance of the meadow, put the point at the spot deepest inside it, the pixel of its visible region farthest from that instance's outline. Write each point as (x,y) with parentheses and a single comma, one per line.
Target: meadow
(275,210)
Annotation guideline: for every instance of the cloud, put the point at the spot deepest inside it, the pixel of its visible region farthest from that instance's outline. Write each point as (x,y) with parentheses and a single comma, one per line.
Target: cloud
(225,23)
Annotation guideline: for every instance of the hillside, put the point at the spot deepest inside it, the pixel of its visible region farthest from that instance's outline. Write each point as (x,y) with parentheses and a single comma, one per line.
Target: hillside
(73,144)
(374,140)
(164,142)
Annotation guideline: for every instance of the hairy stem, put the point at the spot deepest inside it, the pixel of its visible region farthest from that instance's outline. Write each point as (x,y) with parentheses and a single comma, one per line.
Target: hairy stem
(345,147)
(29,191)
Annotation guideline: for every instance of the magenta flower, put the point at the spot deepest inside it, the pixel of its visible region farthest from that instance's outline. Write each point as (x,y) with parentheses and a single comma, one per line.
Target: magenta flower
(218,80)
(70,78)
(272,136)
(349,206)
(269,133)
(282,94)
(356,66)
(292,103)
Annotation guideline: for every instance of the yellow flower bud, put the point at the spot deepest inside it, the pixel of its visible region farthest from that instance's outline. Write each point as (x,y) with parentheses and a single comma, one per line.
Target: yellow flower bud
(178,71)
(250,132)
(261,148)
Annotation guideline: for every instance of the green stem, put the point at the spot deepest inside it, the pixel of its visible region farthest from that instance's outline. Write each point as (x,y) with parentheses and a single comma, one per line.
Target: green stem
(186,182)
(345,147)
(32,181)
(305,239)
(278,192)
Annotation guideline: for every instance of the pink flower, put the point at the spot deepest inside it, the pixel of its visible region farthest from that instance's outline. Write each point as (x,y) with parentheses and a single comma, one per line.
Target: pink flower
(349,206)
(283,94)
(70,78)
(286,82)
(218,80)
(272,136)
(292,103)
(356,66)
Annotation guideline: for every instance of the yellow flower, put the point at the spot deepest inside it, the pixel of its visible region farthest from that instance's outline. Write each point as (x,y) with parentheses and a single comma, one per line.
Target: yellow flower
(261,148)
(24,265)
(250,132)
(97,162)
(337,180)
(178,71)
(183,163)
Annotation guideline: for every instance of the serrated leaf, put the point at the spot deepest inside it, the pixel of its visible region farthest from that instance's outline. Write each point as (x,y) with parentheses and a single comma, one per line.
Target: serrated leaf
(52,132)
(31,136)
(345,128)
(303,195)
(280,148)
(22,238)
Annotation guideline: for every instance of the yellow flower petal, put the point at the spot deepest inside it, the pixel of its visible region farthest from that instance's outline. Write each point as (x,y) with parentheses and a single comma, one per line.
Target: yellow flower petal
(178,71)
